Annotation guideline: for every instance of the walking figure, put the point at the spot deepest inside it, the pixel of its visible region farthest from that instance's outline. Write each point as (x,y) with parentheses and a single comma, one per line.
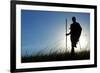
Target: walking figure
(75,32)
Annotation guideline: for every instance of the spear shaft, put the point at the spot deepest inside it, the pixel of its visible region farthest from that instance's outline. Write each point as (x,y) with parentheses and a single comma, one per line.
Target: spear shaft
(66,33)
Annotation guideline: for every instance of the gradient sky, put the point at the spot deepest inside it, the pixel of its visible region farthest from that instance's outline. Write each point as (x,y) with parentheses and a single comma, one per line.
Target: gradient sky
(45,29)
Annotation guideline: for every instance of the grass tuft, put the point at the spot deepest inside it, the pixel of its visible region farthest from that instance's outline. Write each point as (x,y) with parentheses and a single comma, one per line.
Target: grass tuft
(55,56)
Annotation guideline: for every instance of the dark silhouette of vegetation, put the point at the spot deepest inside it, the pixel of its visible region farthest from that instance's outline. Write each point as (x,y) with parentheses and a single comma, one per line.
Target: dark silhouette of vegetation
(56,57)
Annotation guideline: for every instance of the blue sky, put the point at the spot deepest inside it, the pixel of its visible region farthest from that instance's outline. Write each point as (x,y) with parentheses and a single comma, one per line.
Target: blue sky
(41,29)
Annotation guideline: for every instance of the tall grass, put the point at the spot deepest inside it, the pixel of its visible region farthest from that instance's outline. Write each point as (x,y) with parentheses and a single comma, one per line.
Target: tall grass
(55,56)
(55,53)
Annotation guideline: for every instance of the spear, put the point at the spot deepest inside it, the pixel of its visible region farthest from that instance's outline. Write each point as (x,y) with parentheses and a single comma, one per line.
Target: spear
(66,33)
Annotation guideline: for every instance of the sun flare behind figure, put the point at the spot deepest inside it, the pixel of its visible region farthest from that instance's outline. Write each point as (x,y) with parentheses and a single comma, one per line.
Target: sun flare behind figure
(82,45)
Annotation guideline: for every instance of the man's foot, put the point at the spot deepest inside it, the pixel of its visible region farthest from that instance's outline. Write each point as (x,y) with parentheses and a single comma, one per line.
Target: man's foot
(75,46)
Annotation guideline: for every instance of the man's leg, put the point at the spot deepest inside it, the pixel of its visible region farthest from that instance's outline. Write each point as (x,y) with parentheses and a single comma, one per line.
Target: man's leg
(72,50)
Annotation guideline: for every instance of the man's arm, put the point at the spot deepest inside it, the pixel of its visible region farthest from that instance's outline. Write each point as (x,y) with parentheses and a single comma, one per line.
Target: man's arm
(69,32)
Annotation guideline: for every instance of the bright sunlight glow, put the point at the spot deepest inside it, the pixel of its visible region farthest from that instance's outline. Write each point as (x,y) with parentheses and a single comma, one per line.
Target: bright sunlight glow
(83,44)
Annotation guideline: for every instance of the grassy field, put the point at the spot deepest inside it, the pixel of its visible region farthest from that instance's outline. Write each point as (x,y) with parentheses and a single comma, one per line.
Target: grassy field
(56,57)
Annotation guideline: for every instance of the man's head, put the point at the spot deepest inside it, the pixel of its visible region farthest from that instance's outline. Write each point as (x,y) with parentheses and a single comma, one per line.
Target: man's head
(74,19)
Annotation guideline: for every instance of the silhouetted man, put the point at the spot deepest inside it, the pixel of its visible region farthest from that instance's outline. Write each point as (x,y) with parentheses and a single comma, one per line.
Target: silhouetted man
(75,32)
